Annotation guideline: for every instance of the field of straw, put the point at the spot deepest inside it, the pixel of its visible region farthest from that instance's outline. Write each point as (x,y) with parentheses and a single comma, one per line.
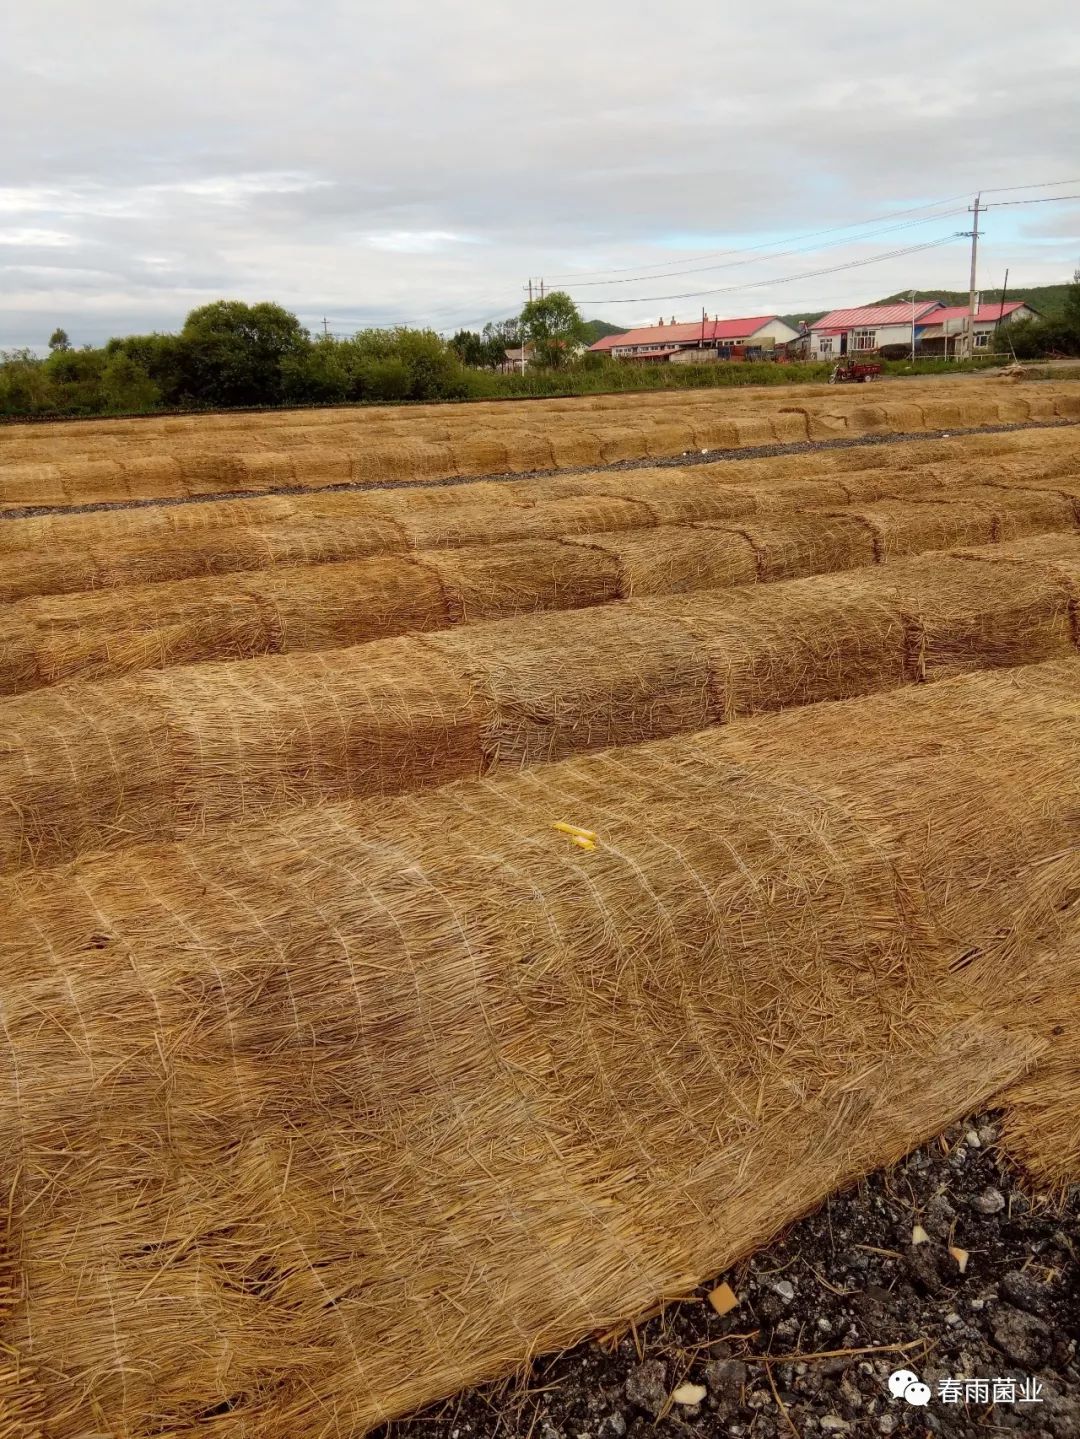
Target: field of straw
(441,920)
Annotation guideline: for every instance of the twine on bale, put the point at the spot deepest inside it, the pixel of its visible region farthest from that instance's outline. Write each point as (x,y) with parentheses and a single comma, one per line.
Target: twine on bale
(317,1121)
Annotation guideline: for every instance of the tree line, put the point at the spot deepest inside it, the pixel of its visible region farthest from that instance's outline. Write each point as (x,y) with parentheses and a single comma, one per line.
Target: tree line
(233,355)
(1059,335)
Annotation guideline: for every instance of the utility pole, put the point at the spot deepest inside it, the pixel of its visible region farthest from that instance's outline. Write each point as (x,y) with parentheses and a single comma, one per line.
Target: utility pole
(530,289)
(541,287)
(913,327)
(325,328)
(969,349)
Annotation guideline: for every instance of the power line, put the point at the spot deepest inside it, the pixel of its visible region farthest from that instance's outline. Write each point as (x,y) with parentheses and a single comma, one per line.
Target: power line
(1045,185)
(771,244)
(1041,200)
(581,275)
(779,255)
(787,279)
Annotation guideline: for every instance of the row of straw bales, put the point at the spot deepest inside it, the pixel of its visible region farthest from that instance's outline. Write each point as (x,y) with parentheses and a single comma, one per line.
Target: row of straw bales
(311,606)
(414,457)
(806,413)
(351,526)
(1033,453)
(285,1148)
(160,755)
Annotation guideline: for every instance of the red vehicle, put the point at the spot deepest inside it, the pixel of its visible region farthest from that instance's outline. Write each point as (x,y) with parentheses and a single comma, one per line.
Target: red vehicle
(855,372)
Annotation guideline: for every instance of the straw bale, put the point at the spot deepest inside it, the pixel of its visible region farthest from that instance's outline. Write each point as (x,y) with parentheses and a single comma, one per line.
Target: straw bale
(560,683)
(573,445)
(913,525)
(241,739)
(18,647)
(32,485)
(401,460)
(481,452)
(673,496)
(1060,551)
(98,766)
(963,617)
(495,581)
(668,436)
(755,430)
(188,555)
(353,1145)
(492,524)
(329,606)
(620,443)
(402,503)
(808,544)
(712,432)
(891,484)
(527,451)
(1022,511)
(674,558)
(794,643)
(786,495)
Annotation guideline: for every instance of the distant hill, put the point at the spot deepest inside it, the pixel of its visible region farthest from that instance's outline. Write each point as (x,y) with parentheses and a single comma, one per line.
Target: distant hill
(1049,300)
(597,329)
(807,317)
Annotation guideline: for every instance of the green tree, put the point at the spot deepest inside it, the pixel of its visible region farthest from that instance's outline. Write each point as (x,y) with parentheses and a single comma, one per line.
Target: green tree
(24,384)
(499,337)
(165,358)
(235,354)
(469,348)
(58,340)
(554,326)
(433,368)
(126,387)
(1072,305)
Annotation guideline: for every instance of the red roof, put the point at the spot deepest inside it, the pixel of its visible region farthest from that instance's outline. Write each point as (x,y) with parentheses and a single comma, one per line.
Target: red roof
(985,313)
(872,315)
(723,331)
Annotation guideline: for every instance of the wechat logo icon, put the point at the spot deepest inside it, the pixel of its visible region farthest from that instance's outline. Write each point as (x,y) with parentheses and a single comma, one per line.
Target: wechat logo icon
(903,1384)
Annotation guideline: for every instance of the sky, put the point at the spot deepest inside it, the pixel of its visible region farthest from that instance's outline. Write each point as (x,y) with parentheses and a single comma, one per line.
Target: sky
(417,162)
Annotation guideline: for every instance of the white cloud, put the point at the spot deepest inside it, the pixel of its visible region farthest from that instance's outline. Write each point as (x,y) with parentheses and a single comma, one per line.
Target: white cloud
(37,239)
(417,242)
(420,161)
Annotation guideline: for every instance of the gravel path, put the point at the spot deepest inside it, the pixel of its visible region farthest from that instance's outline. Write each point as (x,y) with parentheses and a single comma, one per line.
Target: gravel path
(679,461)
(827,1313)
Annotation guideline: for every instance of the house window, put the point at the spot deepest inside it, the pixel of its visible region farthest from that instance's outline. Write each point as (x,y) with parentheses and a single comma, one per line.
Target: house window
(864,340)
(825,345)
(982,339)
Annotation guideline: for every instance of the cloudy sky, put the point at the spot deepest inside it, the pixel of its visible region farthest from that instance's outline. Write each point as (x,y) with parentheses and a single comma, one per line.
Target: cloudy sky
(417,161)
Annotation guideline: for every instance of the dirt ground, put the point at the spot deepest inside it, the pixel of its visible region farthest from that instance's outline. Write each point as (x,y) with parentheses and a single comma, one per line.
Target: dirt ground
(827,1313)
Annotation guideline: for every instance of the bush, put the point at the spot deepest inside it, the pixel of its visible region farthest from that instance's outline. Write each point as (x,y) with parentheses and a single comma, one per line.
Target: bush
(125,386)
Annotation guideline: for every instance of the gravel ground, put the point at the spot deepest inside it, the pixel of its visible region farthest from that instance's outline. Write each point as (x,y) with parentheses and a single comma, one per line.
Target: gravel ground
(827,1313)
(679,461)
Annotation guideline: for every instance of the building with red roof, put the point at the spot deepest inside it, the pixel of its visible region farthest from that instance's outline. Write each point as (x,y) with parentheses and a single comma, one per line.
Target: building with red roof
(939,334)
(712,338)
(929,324)
(866,328)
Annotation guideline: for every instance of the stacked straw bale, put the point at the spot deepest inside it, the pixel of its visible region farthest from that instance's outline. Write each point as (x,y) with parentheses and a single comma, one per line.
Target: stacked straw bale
(161,755)
(283,1148)
(254,458)
(48,639)
(349,526)
(883,472)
